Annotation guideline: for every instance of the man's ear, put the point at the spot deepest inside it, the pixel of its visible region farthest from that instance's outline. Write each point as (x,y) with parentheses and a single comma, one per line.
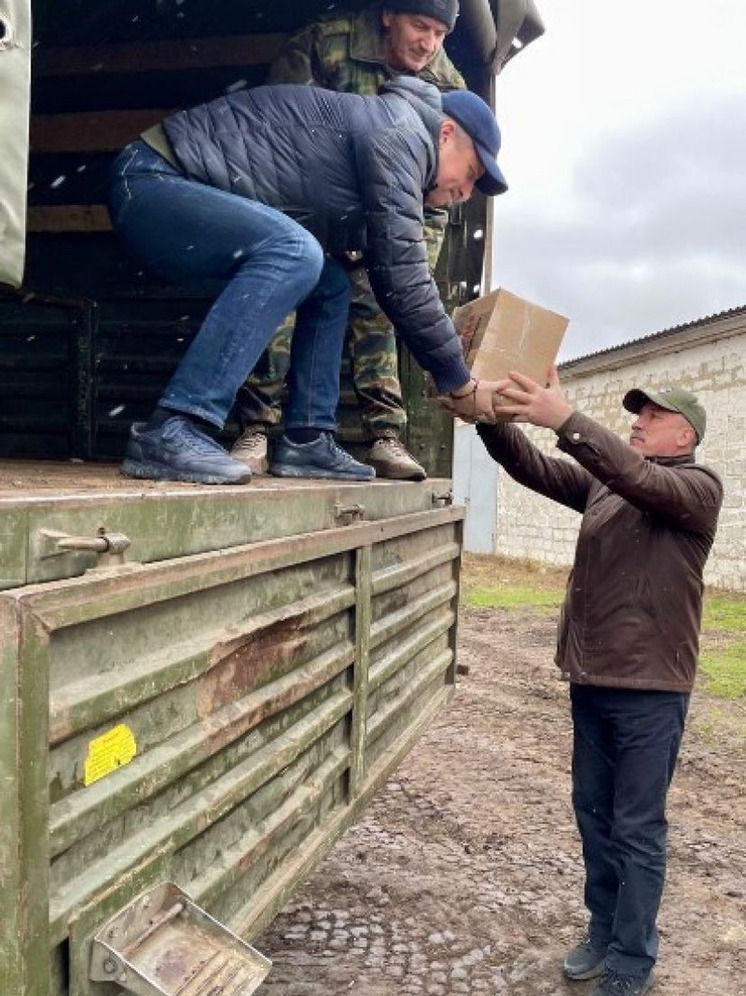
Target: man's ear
(447,130)
(688,437)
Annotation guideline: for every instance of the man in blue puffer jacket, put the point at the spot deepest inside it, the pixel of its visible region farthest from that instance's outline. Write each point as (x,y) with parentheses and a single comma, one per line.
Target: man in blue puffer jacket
(261,188)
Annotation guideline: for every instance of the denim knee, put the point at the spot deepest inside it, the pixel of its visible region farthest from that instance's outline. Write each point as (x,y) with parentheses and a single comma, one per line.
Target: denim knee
(308,258)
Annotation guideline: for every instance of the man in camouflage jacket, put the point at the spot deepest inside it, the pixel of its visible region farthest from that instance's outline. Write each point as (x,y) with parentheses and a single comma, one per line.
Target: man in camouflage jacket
(357,53)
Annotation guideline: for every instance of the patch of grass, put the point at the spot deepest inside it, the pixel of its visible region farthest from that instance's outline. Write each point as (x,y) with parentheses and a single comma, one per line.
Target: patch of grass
(723,657)
(503,583)
(723,663)
(510,596)
(481,570)
(724,612)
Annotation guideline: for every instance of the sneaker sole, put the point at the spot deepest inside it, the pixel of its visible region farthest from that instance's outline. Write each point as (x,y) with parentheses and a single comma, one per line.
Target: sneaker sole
(156,472)
(286,470)
(259,466)
(390,474)
(260,469)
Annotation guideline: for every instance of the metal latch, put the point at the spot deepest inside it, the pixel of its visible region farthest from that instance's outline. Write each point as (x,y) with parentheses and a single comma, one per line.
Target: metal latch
(444,498)
(348,513)
(109,547)
(163,944)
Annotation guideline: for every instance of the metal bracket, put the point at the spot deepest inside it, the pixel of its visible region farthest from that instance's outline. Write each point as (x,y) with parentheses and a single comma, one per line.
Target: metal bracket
(348,513)
(444,498)
(108,547)
(163,944)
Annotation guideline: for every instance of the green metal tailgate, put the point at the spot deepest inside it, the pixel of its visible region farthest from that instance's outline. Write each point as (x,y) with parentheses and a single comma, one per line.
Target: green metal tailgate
(213,706)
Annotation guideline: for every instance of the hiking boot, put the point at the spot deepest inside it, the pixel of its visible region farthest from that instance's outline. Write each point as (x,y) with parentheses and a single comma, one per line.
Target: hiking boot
(251,448)
(585,961)
(392,459)
(178,450)
(321,458)
(614,983)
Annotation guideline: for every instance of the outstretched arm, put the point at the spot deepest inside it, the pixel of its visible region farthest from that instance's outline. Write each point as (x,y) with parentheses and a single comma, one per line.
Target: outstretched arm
(686,496)
(397,265)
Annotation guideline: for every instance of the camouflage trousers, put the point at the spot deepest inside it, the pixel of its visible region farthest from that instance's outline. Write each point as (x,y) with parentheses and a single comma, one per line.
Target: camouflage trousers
(371,343)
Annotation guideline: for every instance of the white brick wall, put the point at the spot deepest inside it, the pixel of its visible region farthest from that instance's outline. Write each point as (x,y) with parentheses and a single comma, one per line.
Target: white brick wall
(708,358)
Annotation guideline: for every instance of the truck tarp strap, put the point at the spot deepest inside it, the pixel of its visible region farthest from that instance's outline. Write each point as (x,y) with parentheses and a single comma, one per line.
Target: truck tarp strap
(15,73)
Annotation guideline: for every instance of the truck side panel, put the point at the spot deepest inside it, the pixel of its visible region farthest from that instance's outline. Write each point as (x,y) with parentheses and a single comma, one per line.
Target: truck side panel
(217,720)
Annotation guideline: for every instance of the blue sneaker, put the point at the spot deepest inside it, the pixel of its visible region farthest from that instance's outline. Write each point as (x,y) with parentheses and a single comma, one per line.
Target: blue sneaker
(321,458)
(178,450)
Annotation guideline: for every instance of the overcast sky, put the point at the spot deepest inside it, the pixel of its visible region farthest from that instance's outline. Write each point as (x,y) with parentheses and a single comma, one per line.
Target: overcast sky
(624,145)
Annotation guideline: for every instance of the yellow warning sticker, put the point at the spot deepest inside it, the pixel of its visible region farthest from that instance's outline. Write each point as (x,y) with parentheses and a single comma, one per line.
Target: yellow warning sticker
(108,752)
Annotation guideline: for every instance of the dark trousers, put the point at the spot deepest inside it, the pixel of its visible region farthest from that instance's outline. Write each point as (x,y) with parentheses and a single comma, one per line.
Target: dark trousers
(625,747)
(269,265)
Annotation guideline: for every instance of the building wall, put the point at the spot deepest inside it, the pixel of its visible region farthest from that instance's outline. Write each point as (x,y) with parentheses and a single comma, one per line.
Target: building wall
(709,359)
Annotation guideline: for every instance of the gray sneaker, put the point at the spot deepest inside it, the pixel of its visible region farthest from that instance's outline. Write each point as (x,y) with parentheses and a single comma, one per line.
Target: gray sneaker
(585,961)
(392,459)
(321,458)
(178,450)
(614,983)
(251,448)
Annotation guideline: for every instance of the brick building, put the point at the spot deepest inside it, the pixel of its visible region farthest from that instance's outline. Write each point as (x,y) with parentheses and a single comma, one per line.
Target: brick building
(707,357)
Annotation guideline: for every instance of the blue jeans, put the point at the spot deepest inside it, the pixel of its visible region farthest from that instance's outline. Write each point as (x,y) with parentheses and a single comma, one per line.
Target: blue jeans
(625,747)
(185,231)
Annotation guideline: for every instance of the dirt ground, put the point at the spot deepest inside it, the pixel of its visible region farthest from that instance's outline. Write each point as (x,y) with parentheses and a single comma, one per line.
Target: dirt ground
(465,874)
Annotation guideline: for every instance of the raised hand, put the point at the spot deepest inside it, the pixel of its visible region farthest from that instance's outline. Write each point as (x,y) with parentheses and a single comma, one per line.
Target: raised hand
(520,399)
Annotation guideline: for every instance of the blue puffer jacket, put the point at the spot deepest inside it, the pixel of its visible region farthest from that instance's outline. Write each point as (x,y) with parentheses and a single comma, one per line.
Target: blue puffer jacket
(353,171)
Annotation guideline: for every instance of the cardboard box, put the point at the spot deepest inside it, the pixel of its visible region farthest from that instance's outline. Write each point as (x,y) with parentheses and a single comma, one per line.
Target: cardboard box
(501,332)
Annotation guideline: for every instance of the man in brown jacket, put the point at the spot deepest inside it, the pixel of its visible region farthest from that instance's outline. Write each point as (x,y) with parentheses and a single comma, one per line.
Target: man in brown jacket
(628,640)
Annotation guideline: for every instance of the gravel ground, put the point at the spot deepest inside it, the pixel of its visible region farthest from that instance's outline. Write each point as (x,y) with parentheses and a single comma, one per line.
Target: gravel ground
(465,874)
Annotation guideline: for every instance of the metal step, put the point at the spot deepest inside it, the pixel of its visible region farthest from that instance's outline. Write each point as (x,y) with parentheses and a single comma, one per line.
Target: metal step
(163,944)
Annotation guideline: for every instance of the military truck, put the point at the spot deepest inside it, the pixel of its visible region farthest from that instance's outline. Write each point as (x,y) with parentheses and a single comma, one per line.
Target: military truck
(200,688)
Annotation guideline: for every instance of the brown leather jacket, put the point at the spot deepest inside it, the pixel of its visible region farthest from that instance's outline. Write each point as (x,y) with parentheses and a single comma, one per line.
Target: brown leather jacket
(633,607)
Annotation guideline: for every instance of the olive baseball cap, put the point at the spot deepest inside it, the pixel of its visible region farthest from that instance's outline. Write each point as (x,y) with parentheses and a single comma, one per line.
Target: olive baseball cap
(673,399)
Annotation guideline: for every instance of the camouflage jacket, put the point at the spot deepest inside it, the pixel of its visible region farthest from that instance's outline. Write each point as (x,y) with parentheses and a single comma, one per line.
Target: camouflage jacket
(344,52)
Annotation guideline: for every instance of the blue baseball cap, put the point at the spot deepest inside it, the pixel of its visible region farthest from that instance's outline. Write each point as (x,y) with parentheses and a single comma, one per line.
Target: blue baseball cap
(476,118)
